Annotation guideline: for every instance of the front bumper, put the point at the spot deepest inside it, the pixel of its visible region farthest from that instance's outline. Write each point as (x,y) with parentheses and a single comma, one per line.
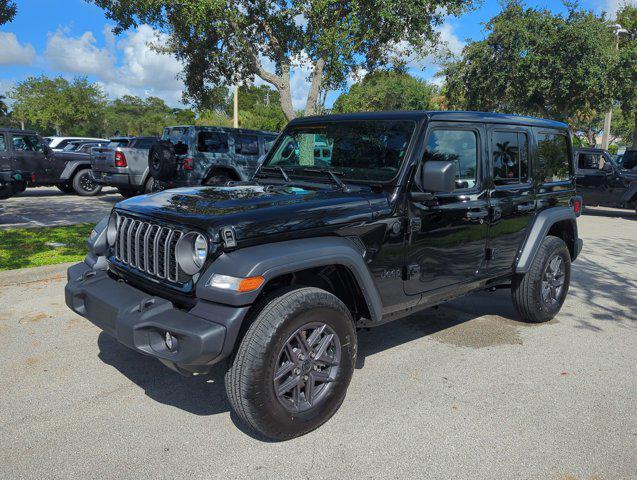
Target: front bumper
(204,335)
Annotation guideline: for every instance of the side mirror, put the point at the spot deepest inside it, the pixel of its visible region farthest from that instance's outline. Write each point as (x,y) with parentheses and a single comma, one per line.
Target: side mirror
(437,176)
(47,150)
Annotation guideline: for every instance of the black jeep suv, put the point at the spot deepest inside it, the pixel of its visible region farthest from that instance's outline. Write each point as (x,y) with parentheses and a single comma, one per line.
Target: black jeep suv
(396,213)
(23,153)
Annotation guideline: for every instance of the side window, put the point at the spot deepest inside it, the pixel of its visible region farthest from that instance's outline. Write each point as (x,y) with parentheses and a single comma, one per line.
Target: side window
(246,145)
(459,146)
(268,141)
(145,143)
(553,159)
(212,142)
(510,156)
(27,143)
(3,145)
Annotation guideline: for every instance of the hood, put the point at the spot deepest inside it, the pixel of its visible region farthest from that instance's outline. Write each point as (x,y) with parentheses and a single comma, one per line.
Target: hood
(256,210)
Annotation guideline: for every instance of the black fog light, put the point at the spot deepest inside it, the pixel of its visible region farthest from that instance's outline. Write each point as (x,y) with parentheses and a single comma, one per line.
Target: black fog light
(170,341)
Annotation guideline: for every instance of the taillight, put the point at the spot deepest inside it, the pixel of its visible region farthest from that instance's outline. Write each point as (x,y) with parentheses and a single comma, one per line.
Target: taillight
(33,177)
(577,206)
(189,163)
(120,160)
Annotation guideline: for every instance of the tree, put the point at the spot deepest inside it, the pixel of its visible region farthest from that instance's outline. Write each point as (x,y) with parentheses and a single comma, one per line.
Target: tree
(8,10)
(4,109)
(387,90)
(625,74)
(220,41)
(536,62)
(56,104)
(259,108)
(131,115)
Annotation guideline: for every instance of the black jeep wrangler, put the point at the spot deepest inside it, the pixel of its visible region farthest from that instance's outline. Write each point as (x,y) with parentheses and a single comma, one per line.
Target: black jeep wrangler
(401,212)
(25,151)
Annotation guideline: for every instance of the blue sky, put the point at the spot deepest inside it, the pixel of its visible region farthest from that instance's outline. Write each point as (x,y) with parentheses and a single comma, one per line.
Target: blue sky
(72,37)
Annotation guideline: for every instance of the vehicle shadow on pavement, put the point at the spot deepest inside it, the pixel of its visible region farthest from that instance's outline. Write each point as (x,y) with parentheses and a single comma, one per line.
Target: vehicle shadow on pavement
(200,395)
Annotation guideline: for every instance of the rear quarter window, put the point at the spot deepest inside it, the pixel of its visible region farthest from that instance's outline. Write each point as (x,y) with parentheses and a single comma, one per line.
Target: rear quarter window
(212,142)
(246,145)
(553,159)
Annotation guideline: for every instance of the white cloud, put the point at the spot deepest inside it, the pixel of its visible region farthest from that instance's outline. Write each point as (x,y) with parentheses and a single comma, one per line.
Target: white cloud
(77,55)
(140,70)
(14,53)
(612,6)
(449,38)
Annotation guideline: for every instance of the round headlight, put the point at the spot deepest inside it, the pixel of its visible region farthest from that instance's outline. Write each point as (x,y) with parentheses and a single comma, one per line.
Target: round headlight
(111,229)
(200,250)
(192,250)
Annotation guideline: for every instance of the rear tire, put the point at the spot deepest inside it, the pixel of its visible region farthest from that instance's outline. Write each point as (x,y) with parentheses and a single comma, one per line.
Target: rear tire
(84,185)
(259,398)
(539,294)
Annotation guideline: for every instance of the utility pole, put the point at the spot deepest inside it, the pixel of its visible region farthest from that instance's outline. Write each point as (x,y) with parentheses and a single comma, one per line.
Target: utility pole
(235,115)
(609,114)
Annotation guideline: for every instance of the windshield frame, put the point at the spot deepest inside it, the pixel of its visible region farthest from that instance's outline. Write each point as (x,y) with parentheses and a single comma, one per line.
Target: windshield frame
(323,178)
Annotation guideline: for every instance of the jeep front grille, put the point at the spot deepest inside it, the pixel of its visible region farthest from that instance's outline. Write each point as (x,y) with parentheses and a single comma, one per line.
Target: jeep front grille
(148,247)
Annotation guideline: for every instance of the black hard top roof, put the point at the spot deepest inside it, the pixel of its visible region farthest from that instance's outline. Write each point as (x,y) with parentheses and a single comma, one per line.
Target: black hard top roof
(446,116)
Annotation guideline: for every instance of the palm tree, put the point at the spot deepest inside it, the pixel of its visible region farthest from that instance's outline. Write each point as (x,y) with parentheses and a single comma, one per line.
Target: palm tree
(504,156)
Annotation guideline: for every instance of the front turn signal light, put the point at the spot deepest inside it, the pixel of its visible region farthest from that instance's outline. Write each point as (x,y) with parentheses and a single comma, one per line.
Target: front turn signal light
(241,285)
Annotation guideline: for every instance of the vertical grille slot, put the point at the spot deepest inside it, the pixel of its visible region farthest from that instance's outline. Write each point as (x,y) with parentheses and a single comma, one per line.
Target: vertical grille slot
(148,247)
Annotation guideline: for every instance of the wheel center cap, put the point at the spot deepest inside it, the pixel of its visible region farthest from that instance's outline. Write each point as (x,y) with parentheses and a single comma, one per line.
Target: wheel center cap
(306,366)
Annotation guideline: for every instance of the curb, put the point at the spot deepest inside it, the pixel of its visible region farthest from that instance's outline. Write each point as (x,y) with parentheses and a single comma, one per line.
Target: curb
(34,274)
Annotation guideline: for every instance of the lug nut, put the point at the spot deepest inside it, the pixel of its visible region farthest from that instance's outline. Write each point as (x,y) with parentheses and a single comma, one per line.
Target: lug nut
(297,371)
(305,377)
(301,357)
(315,367)
(312,355)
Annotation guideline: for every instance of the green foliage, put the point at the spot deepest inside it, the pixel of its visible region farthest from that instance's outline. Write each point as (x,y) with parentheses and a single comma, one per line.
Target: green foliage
(259,108)
(4,109)
(219,41)
(133,116)
(55,104)
(536,62)
(387,90)
(8,10)
(625,74)
(27,247)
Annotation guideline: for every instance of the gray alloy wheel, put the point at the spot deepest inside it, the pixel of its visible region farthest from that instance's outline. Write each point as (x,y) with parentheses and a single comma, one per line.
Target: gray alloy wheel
(553,281)
(307,365)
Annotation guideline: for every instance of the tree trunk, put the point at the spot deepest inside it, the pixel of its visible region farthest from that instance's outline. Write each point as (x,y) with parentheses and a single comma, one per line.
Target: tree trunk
(285,93)
(315,87)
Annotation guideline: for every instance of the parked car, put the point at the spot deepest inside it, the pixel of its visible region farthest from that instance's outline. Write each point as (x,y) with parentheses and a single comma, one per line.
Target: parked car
(14,176)
(195,155)
(410,210)
(83,146)
(601,181)
(123,163)
(58,143)
(26,151)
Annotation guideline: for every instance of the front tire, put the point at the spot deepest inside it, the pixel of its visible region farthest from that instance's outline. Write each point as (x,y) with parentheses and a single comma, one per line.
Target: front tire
(84,185)
(294,364)
(538,295)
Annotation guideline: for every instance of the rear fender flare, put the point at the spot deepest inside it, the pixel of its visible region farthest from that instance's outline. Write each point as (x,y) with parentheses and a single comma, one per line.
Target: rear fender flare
(71,168)
(275,259)
(539,229)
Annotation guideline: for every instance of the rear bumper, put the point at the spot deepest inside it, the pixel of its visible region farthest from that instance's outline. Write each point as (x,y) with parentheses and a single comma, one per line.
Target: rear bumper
(204,335)
(115,179)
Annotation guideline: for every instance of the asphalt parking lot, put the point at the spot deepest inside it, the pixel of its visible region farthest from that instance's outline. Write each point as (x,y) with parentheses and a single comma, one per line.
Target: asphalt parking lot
(48,207)
(464,391)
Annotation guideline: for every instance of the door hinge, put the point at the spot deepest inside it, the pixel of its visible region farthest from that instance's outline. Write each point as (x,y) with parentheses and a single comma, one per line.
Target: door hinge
(411,271)
(490,254)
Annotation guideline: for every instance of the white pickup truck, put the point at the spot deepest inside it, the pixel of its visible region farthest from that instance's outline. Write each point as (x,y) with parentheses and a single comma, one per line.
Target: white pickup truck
(123,164)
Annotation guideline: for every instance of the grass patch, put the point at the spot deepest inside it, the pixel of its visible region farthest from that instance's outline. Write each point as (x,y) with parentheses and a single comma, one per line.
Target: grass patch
(27,247)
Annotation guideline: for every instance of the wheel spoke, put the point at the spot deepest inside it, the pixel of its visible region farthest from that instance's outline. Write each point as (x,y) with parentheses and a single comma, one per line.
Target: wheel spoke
(320,376)
(302,342)
(315,335)
(292,356)
(286,386)
(324,344)
(283,370)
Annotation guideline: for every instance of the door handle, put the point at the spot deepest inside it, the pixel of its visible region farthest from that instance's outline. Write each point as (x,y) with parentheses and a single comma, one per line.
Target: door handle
(477,214)
(526,207)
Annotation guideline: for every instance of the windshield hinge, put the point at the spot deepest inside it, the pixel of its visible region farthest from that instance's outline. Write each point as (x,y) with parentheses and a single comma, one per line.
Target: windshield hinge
(229,240)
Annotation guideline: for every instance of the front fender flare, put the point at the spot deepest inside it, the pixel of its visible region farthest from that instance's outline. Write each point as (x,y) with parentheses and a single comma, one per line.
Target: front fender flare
(274,259)
(541,225)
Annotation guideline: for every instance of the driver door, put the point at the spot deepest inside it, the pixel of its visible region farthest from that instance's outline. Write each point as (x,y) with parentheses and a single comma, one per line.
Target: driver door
(447,236)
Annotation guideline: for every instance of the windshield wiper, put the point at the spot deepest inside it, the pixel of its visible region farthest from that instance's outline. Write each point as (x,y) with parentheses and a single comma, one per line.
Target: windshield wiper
(279,170)
(333,176)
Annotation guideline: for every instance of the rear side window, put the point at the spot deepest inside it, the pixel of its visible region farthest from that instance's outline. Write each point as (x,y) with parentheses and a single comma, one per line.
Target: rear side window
(554,164)
(459,146)
(510,156)
(145,143)
(246,145)
(118,143)
(26,143)
(3,145)
(212,142)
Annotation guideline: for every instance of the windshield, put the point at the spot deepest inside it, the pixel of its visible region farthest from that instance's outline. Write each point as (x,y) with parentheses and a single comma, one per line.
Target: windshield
(359,150)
